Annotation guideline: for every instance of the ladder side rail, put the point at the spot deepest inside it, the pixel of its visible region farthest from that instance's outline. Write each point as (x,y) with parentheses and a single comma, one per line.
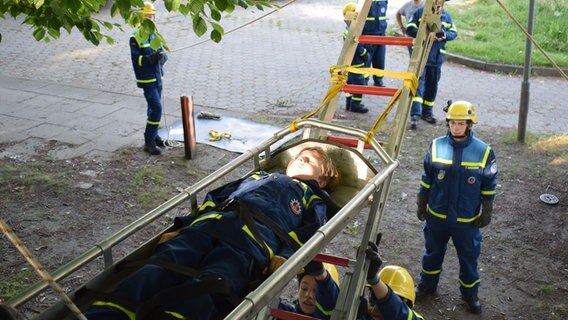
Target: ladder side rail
(347,53)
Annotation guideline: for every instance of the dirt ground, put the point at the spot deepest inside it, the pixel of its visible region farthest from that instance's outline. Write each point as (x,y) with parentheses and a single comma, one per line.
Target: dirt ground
(60,209)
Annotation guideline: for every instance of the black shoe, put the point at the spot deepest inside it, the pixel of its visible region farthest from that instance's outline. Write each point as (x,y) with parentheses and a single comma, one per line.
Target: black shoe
(414,122)
(422,290)
(160,143)
(378,83)
(429,118)
(473,304)
(152,150)
(360,109)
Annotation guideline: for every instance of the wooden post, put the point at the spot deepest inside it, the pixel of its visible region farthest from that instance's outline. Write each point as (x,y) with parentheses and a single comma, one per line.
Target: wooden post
(188,121)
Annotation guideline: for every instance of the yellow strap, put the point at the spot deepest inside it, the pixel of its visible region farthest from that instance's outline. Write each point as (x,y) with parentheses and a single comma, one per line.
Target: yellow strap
(215,135)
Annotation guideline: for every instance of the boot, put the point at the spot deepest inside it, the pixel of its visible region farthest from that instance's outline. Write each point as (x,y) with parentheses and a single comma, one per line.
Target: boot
(160,143)
(414,122)
(422,290)
(473,304)
(359,109)
(378,82)
(152,149)
(429,117)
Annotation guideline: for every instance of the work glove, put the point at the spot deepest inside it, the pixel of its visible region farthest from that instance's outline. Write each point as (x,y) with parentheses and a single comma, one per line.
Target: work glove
(375,259)
(314,268)
(422,203)
(485,217)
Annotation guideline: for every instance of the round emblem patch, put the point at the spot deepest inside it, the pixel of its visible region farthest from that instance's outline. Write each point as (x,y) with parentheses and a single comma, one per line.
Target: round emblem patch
(471,180)
(493,168)
(295,206)
(441,175)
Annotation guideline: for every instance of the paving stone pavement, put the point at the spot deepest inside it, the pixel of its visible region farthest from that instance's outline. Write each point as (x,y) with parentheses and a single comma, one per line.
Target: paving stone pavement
(267,63)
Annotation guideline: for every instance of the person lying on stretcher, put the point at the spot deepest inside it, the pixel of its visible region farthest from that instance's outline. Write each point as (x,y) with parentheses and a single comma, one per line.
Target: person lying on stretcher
(228,243)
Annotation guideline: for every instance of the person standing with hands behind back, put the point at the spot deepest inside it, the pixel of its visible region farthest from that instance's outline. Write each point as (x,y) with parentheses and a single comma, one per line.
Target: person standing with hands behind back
(456,200)
(148,69)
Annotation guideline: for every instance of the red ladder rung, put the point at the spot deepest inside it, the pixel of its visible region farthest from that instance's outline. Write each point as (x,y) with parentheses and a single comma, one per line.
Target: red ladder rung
(287,315)
(348,142)
(335,260)
(388,40)
(377,91)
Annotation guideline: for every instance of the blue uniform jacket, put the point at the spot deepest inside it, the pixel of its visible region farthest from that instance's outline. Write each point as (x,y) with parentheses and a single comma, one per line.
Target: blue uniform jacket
(326,297)
(289,203)
(457,177)
(376,23)
(148,74)
(392,307)
(360,51)
(438,51)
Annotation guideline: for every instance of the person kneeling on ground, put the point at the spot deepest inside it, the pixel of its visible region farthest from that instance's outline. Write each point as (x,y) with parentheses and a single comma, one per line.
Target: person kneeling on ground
(228,242)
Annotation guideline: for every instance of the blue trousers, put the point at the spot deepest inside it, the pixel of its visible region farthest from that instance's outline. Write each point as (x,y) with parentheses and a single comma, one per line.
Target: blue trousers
(153,97)
(354,100)
(377,54)
(467,242)
(425,97)
(192,248)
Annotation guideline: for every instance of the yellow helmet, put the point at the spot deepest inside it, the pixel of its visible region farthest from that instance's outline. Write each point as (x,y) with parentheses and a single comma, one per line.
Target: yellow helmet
(400,281)
(330,268)
(461,110)
(148,8)
(349,7)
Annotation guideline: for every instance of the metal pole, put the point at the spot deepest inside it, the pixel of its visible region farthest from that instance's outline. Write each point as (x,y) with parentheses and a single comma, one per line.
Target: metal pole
(525,88)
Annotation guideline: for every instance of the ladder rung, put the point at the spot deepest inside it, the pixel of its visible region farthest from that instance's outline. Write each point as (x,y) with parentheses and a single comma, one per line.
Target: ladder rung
(388,40)
(287,315)
(348,142)
(377,91)
(335,260)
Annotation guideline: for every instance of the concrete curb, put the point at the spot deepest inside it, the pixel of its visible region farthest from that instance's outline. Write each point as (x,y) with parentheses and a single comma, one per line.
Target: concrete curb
(502,68)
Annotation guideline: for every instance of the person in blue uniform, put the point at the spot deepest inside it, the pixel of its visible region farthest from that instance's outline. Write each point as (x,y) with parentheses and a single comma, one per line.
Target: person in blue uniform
(391,290)
(318,291)
(148,69)
(423,102)
(238,229)
(376,25)
(455,199)
(353,102)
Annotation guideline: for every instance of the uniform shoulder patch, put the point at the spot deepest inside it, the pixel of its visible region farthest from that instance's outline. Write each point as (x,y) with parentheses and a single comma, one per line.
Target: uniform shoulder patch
(295,206)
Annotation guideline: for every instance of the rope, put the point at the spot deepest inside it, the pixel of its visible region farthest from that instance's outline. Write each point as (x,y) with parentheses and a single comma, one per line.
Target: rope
(532,40)
(237,28)
(39,268)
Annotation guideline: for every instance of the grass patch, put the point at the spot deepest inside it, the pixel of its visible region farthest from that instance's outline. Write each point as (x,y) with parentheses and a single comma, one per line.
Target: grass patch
(15,283)
(487,33)
(29,179)
(149,184)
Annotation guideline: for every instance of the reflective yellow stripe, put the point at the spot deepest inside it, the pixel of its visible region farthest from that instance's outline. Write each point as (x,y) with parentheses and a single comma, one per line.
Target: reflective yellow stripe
(140,60)
(207,216)
(146,81)
(481,163)
(428,103)
(465,285)
(207,205)
(323,311)
(466,220)
(295,237)
(175,314)
(153,122)
(145,45)
(419,316)
(488,192)
(417,99)
(249,233)
(431,273)
(424,184)
(131,315)
(436,214)
(435,154)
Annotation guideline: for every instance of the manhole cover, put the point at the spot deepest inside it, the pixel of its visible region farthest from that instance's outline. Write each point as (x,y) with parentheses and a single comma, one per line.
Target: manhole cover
(549,198)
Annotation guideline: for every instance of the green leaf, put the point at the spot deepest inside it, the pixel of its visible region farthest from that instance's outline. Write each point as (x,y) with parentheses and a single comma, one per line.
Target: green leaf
(54,33)
(221,4)
(39,33)
(172,5)
(199,25)
(196,6)
(38,4)
(216,36)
